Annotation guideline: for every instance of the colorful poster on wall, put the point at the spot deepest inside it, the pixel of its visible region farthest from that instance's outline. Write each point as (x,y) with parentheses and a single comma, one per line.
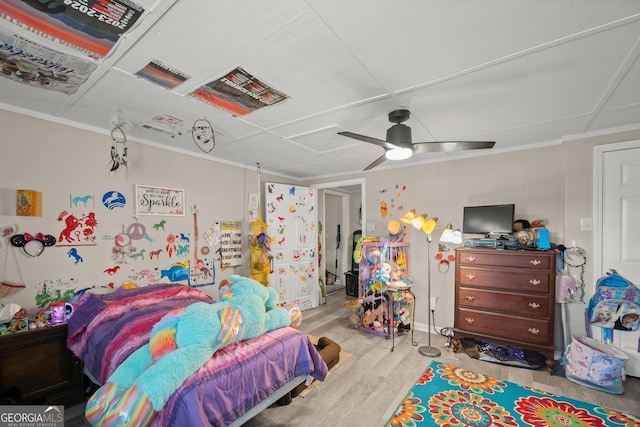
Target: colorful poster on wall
(20,202)
(239,93)
(36,65)
(163,75)
(28,203)
(90,26)
(231,244)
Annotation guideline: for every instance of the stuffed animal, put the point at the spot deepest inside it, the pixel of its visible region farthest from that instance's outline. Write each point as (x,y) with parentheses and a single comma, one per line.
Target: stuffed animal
(180,343)
(384,273)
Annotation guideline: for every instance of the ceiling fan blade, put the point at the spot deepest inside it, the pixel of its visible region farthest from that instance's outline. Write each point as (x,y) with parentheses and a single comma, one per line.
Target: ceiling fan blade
(376,162)
(379,142)
(445,146)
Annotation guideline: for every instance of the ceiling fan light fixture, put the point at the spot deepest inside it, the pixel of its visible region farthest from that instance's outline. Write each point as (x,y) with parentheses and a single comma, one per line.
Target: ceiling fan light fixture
(398,153)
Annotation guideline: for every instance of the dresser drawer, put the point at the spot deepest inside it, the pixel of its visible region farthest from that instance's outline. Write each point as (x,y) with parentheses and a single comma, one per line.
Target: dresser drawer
(519,280)
(518,304)
(523,329)
(540,261)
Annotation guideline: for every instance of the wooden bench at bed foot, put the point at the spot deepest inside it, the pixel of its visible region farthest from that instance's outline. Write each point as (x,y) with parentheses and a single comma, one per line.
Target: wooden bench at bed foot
(330,352)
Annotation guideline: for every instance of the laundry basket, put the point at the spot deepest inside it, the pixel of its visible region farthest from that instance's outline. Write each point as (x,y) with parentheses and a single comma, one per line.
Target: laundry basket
(596,365)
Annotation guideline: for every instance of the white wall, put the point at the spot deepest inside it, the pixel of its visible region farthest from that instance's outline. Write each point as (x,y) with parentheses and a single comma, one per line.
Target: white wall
(531,179)
(553,182)
(61,161)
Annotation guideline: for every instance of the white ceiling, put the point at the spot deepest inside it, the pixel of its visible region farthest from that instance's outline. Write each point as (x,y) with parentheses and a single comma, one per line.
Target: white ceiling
(517,72)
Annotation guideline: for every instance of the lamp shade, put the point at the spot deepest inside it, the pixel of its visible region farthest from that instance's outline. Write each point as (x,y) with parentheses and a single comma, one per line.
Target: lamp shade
(418,221)
(429,225)
(447,234)
(409,216)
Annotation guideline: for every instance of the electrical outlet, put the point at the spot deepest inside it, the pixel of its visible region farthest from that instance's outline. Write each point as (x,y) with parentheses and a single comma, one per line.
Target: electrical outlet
(434,301)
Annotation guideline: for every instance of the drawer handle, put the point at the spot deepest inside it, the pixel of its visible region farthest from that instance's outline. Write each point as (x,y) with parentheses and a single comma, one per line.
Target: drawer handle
(534,305)
(470,276)
(469,320)
(470,298)
(535,262)
(535,282)
(534,331)
(471,258)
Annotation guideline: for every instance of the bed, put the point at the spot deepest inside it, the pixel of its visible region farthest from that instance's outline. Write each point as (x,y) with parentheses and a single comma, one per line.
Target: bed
(236,382)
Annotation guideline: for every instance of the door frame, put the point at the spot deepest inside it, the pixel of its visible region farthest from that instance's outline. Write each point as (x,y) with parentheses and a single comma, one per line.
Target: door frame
(598,157)
(335,186)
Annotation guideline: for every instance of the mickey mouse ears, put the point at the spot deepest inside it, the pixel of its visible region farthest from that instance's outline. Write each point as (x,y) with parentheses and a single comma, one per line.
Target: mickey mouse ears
(32,245)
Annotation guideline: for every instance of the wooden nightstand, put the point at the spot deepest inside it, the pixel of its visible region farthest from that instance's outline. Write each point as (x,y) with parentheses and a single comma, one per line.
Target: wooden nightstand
(40,364)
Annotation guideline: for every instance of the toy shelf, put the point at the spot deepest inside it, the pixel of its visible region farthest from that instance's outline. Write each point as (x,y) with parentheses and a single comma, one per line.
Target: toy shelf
(385,289)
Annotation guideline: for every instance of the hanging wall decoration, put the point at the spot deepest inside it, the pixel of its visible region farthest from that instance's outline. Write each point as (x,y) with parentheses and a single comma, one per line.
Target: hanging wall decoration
(28,203)
(122,248)
(32,244)
(113,199)
(12,281)
(159,201)
(75,201)
(231,244)
(79,230)
(118,148)
(390,200)
(203,135)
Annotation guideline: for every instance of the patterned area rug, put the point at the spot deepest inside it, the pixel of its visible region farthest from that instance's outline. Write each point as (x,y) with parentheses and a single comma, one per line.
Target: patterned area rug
(450,396)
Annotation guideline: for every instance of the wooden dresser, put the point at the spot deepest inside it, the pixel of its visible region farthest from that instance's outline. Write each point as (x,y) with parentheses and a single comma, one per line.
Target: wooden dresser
(506,297)
(41,365)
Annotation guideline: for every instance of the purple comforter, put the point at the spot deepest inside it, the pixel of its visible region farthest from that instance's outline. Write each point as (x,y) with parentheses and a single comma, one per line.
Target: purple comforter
(107,328)
(239,377)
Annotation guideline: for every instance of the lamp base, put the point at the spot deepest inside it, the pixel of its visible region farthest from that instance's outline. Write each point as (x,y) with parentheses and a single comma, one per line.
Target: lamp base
(429,351)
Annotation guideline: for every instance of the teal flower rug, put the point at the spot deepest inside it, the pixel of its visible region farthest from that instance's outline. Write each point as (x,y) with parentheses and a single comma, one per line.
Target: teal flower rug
(449,396)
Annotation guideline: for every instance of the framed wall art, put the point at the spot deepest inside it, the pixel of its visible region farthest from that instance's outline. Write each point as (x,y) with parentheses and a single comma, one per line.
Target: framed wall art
(159,201)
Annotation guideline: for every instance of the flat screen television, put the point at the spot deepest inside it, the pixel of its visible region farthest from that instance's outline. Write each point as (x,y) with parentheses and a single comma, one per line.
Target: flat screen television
(488,220)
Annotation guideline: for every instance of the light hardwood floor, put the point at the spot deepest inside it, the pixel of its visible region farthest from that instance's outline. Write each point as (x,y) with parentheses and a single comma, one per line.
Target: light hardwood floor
(366,390)
(369,386)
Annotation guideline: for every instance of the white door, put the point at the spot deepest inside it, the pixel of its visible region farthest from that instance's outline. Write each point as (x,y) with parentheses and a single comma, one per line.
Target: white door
(291,216)
(618,204)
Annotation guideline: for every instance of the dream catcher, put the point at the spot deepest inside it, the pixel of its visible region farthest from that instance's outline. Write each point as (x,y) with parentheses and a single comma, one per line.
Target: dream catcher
(202,134)
(118,148)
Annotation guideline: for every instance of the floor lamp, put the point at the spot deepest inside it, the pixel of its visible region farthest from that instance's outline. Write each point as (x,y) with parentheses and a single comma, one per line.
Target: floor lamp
(427,226)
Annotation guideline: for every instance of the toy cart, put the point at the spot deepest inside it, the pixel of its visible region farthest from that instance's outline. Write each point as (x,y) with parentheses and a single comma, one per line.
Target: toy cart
(385,289)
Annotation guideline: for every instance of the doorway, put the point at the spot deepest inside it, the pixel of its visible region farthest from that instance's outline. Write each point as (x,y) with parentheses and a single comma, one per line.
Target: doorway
(617,237)
(341,211)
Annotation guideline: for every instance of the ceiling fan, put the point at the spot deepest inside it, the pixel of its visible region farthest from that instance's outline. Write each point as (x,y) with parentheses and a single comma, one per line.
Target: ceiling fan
(398,145)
